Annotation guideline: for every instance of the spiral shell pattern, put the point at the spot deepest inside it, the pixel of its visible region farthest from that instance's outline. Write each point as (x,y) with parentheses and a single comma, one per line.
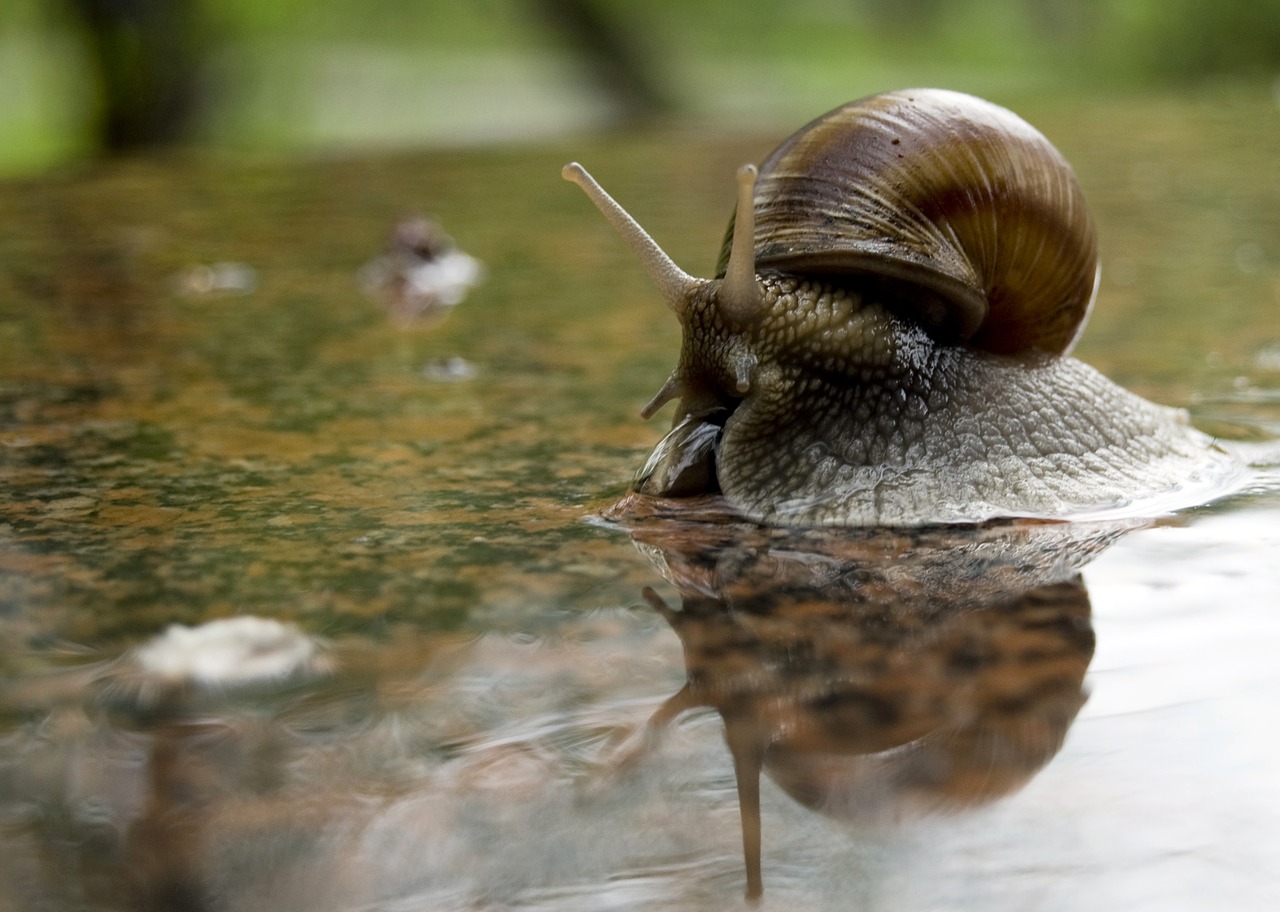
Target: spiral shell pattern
(967,213)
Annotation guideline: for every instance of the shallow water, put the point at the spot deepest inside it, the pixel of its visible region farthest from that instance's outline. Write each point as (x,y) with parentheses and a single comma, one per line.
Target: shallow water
(1014,717)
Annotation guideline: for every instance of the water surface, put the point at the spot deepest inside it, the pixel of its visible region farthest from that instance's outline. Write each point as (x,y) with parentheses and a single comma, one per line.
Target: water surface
(497,714)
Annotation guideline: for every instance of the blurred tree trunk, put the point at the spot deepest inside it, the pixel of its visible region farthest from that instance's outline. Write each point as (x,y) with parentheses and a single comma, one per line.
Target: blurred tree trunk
(611,53)
(147,55)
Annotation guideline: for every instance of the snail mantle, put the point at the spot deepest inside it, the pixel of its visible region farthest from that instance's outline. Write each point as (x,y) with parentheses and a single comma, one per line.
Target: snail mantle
(887,339)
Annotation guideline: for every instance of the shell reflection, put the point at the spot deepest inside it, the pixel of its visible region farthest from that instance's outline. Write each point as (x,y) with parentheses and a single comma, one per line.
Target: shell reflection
(878,673)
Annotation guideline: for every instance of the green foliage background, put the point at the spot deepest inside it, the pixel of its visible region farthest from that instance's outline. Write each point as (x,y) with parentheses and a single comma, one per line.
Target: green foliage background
(300,74)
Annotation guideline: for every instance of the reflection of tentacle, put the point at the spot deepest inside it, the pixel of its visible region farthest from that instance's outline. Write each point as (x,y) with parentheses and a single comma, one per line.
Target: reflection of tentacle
(639,741)
(642,739)
(877,671)
(747,748)
(658,603)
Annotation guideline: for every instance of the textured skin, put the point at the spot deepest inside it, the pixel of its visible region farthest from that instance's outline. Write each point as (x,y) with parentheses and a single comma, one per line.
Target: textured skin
(845,415)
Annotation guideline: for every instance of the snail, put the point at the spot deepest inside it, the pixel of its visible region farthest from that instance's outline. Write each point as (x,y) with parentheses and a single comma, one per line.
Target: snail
(887,339)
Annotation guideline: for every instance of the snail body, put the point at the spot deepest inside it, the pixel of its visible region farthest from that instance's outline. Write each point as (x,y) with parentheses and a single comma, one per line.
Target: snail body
(888,338)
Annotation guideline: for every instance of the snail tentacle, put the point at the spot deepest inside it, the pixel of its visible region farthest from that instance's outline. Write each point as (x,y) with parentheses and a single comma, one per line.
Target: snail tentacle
(739,294)
(674,388)
(675,285)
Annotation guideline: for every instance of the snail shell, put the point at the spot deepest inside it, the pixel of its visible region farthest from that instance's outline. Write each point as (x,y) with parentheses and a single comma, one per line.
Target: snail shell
(957,199)
(886,339)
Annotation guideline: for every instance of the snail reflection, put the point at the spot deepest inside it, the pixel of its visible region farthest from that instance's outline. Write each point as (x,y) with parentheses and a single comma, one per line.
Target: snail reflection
(880,673)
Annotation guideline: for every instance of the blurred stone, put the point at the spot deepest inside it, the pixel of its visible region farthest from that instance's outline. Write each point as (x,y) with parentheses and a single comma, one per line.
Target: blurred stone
(217,279)
(423,273)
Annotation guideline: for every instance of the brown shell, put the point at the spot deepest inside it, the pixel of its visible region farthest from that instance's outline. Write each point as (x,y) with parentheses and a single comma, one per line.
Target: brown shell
(959,198)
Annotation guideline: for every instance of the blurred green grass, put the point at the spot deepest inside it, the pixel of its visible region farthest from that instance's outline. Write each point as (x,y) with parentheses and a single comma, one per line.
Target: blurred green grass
(301,75)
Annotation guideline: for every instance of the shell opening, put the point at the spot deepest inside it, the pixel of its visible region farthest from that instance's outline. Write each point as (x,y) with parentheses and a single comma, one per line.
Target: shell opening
(674,284)
(739,295)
